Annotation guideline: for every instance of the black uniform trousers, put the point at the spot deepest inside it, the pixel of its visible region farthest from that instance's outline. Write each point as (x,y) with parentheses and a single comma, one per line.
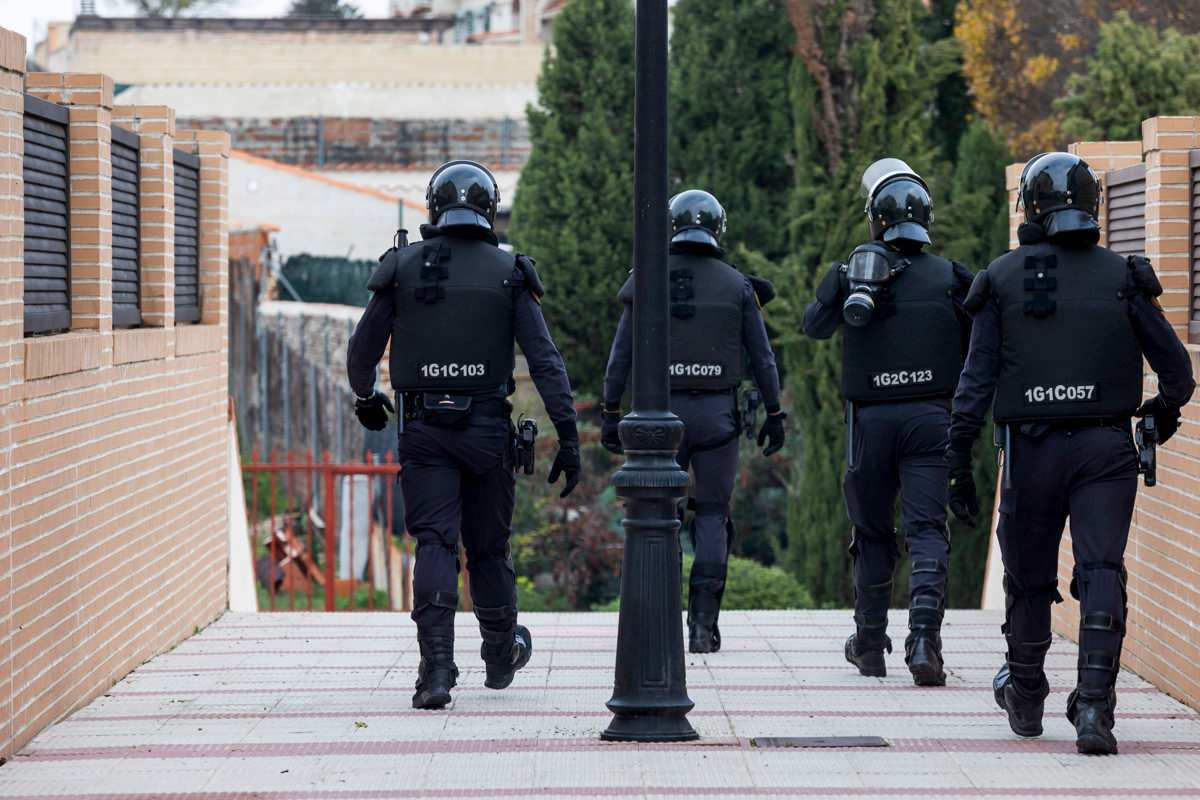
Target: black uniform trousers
(898,449)
(460,480)
(1087,473)
(710,450)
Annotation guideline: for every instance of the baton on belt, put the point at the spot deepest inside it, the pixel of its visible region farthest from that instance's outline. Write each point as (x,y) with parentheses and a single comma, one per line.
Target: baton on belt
(1146,436)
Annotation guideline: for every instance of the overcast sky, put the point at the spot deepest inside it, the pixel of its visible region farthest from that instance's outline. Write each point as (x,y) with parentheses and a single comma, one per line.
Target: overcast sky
(29,17)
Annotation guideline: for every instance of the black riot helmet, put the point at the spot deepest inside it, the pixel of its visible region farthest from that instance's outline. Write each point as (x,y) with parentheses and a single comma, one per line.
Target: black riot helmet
(899,208)
(697,217)
(462,193)
(1061,192)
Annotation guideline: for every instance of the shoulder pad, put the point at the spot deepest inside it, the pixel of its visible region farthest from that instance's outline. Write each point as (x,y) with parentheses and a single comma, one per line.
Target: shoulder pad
(981,289)
(962,275)
(1141,273)
(533,281)
(384,276)
(764,290)
(626,293)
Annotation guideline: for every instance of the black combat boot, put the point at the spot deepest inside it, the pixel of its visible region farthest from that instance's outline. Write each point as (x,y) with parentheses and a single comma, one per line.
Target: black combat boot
(1021,688)
(706,585)
(436,675)
(1091,711)
(507,646)
(864,649)
(704,636)
(923,647)
(1091,708)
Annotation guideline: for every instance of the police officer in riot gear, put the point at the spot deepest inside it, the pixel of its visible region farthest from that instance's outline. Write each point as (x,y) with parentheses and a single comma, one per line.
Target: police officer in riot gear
(902,350)
(715,325)
(453,305)
(1061,326)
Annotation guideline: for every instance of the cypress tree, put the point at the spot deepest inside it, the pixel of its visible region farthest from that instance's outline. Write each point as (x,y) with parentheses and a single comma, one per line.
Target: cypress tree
(972,227)
(864,86)
(573,211)
(731,119)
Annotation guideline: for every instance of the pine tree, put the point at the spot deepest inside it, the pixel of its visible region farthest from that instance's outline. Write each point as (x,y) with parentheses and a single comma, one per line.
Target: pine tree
(731,122)
(573,210)
(1135,73)
(864,87)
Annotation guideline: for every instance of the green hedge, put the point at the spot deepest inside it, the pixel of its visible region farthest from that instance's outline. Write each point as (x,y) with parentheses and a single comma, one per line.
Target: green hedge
(319,279)
(749,586)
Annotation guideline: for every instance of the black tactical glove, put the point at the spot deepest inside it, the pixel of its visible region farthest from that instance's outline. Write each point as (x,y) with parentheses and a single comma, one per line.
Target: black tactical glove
(610,419)
(373,411)
(772,428)
(1166,418)
(964,499)
(567,462)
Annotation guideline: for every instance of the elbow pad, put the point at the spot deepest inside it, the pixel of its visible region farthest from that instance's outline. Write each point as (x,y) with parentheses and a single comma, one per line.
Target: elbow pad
(977,297)
(764,290)
(529,277)
(384,276)
(1143,278)
(829,291)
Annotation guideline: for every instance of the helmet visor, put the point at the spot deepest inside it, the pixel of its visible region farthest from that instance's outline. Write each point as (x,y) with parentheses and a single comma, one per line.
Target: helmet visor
(868,266)
(696,236)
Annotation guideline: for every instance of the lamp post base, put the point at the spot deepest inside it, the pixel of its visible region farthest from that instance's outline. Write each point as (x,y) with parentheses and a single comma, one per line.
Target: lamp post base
(642,727)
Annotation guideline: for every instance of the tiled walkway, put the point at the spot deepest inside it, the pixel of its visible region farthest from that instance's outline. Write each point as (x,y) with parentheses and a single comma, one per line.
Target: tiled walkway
(317,707)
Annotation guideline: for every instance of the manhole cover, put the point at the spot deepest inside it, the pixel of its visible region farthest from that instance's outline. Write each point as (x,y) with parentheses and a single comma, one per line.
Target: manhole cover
(818,741)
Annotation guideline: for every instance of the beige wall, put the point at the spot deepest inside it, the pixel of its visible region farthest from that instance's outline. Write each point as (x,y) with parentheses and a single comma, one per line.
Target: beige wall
(1163,557)
(112,442)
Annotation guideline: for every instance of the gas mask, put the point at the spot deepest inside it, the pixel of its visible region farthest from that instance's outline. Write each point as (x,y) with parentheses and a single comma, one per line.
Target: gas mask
(868,269)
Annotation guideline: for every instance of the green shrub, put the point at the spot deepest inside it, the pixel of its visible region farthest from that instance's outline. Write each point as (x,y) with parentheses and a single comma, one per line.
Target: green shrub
(749,585)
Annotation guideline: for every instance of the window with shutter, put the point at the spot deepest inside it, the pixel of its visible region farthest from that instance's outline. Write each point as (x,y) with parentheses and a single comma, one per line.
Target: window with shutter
(126,252)
(187,237)
(1194,315)
(47,218)
(1126,190)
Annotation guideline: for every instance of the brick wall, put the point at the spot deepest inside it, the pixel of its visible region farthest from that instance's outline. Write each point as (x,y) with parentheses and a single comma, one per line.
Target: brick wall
(1163,557)
(112,442)
(376,143)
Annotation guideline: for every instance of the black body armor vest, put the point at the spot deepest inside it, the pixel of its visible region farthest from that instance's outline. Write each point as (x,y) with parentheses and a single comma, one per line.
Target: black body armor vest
(706,323)
(1068,349)
(453,324)
(913,346)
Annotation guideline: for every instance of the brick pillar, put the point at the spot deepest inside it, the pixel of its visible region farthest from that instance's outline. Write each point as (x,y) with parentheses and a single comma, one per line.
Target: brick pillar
(1105,157)
(1167,142)
(213,149)
(89,99)
(12,221)
(155,126)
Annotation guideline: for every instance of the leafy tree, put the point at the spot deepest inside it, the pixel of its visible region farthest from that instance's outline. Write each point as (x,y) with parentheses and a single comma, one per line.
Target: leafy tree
(1019,54)
(731,121)
(573,209)
(952,109)
(1137,72)
(170,8)
(864,85)
(324,8)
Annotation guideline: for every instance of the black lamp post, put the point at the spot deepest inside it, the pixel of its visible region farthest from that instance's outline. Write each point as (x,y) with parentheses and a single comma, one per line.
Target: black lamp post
(650,701)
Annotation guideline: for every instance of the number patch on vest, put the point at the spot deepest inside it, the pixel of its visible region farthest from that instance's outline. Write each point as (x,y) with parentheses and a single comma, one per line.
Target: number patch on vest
(695,370)
(1078,393)
(904,377)
(453,370)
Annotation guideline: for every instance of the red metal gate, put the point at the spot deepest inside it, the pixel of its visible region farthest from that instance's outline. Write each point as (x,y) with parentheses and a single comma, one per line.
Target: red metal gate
(296,509)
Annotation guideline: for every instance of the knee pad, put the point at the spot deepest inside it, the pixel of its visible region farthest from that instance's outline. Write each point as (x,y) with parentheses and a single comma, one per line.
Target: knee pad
(437,600)
(1099,573)
(499,619)
(489,558)
(1014,590)
(871,605)
(928,577)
